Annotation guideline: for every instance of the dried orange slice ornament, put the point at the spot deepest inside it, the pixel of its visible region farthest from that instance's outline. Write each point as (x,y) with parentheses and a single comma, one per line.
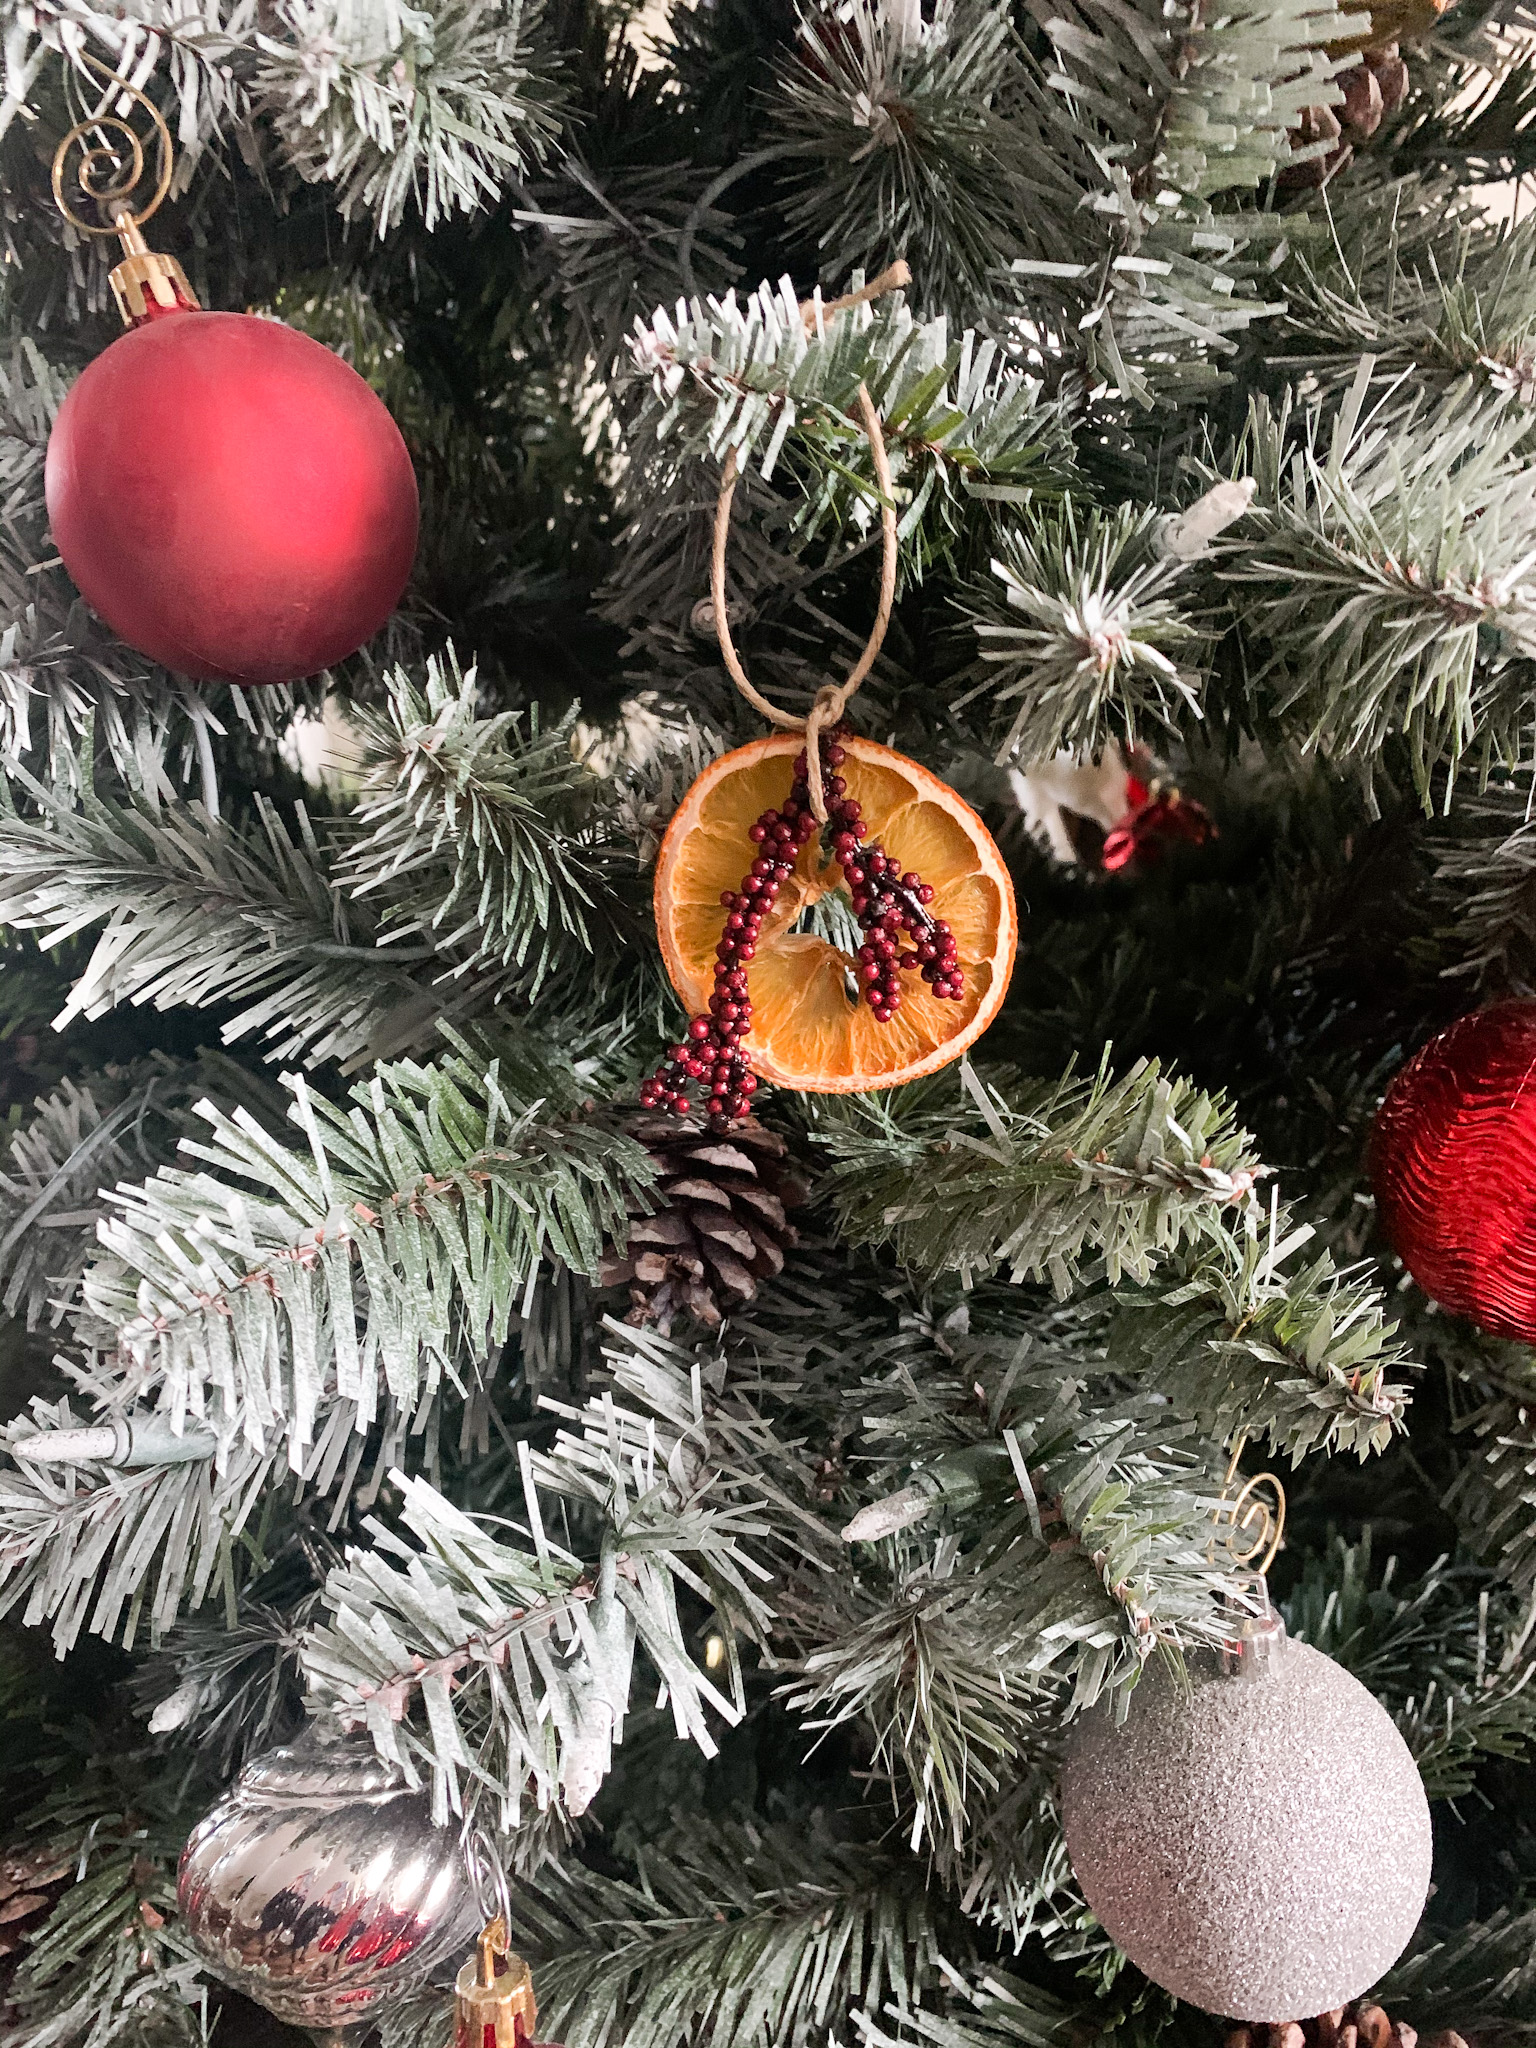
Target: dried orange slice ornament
(781,981)
(830,1008)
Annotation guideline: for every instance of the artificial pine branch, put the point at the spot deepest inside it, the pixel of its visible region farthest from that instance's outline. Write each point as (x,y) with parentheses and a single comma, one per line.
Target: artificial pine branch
(1096,1553)
(498,1670)
(1485,879)
(1150,1178)
(1004,2011)
(236,1689)
(471,840)
(618,238)
(107,1965)
(438,109)
(1042,1179)
(127,1553)
(961,424)
(1160,118)
(111,1551)
(434,109)
(1493,1494)
(1249,1345)
(1480,1975)
(1464,306)
(1081,636)
(1444,1652)
(1385,571)
(396,1238)
(198,912)
(905,139)
(747,1935)
(84,1137)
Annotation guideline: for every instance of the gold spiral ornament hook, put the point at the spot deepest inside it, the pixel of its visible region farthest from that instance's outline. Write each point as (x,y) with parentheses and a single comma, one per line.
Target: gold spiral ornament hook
(108,173)
(1254,1517)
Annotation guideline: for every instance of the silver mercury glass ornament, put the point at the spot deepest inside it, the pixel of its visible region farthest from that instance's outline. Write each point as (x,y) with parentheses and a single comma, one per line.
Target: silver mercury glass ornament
(319,1886)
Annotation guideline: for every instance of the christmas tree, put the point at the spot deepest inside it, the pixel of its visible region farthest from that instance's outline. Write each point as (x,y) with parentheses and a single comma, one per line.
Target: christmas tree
(730,1519)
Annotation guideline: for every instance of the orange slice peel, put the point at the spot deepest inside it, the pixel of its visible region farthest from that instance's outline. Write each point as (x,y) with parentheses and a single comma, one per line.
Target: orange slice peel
(811,1026)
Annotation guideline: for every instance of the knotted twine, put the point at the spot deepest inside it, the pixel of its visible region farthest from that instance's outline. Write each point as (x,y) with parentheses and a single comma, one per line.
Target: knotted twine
(832,698)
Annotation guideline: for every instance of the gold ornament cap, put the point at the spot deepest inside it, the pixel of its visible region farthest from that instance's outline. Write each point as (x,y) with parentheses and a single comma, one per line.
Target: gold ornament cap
(146,284)
(494,2007)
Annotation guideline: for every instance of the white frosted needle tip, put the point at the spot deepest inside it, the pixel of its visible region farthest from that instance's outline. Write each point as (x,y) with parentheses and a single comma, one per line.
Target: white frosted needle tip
(68,1447)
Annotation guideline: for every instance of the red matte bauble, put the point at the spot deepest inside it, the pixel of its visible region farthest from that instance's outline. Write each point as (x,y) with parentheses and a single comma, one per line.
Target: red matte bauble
(231,498)
(1453,1158)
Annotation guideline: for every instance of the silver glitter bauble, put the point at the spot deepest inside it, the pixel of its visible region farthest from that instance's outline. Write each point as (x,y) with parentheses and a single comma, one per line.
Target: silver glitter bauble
(1260,1847)
(318,1886)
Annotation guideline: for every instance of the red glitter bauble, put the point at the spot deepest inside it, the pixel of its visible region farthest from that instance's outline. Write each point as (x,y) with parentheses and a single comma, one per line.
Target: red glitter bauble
(1453,1158)
(231,498)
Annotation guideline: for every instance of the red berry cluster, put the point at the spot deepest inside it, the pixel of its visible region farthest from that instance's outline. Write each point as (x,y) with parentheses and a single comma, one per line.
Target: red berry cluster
(889,905)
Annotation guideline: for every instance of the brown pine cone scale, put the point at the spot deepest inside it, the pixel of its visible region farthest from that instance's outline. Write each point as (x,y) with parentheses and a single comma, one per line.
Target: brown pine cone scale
(1361,2025)
(30,1883)
(719,1225)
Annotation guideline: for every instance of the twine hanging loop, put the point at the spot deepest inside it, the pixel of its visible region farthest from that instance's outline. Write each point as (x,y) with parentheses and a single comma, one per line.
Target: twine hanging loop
(833,698)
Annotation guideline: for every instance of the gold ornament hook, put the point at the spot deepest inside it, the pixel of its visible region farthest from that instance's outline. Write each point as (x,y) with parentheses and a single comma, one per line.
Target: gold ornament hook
(1254,1516)
(145,284)
(101,173)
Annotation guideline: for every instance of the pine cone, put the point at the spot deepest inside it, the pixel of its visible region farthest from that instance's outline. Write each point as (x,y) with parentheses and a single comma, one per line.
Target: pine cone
(1390,73)
(1317,124)
(1361,2025)
(31,1880)
(719,1226)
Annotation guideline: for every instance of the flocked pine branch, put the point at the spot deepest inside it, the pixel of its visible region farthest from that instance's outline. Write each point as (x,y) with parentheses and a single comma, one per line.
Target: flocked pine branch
(1081,635)
(472,842)
(128,1551)
(199,911)
(1004,2011)
(437,108)
(1384,576)
(1445,1653)
(1251,1342)
(1462,305)
(627,236)
(82,1138)
(1063,1536)
(500,1669)
(1485,880)
(1479,1975)
(231,1687)
(107,1969)
(1144,1178)
(1165,117)
(910,138)
(1041,1181)
(961,423)
(115,1552)
(1189,106)
(393,1241)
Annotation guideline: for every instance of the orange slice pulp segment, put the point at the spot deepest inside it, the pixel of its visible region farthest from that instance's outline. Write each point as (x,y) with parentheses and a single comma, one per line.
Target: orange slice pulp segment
(811,1028)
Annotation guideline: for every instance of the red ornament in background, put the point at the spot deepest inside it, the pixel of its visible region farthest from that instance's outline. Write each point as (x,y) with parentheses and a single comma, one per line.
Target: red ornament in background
(231,497)
(1453,1159)
(1155,816)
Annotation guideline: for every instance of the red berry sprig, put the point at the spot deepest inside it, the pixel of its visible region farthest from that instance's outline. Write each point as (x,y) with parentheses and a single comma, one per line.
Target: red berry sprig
(891,906)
